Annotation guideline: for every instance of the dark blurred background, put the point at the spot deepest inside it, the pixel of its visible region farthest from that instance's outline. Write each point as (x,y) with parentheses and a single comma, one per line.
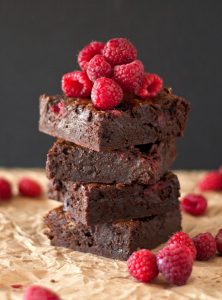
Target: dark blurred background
(179,40)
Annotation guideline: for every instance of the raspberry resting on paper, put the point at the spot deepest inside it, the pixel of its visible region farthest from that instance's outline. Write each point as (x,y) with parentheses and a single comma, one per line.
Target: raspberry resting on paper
(98,67)
(5,190)
(194,204)
(175,262)
(205,245)
(119,51)
(182,239)
(35,292)
(142,265)
(106,93)
(76,84)
(212,181)
(130,76)
(29,188)
(218,240)
(88,52)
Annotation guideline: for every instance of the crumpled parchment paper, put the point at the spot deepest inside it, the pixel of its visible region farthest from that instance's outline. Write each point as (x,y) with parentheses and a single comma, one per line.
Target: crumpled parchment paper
(27,258)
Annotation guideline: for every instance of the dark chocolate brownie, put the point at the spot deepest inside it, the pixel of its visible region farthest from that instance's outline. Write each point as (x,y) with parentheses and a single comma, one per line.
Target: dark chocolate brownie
(114,240)
(144,164)
(93,203)
(133,122)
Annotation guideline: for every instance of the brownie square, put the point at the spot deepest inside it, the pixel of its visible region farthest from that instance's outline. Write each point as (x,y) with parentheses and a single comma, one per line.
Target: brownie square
(144,164)
(133,122)
(93,203)
(114,240)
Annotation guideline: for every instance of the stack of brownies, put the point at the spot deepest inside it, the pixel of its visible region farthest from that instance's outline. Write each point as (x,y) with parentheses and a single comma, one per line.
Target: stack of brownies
(111,171)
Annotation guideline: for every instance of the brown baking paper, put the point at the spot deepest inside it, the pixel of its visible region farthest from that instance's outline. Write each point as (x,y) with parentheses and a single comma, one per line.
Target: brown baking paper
(27,258)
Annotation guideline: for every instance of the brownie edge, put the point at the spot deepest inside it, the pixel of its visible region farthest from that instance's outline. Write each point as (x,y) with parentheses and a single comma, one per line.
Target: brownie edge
(144,164)
(115,240)
(93,203)
(133,122)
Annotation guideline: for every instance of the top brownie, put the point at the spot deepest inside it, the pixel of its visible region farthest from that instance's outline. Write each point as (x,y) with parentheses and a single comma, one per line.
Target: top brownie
(133,122)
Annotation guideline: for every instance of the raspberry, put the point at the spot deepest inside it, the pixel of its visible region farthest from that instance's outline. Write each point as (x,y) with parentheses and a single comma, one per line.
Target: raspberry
(119,51)
(16,286)
(76,84)
(142,265)
(98,67)
(29,188)
(205,245)
(218,240)
(194,204)
(5,190)
(175,263)
(57,108)
(88,52)
(152,85)
(211,182)
(106,93)
(35,292)
(130,76)
(182,239)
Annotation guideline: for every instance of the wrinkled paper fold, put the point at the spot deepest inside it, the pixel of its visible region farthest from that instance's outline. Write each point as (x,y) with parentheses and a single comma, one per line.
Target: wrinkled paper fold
(26,256)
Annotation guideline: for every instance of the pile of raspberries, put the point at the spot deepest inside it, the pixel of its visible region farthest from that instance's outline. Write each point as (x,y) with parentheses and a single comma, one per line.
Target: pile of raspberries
(108,72)
(175,260)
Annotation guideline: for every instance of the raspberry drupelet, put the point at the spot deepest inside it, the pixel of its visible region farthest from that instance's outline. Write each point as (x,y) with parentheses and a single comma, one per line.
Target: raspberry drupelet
(88,52)
(130,76)
(106,93)
(205,245)
(119,51)
(175,262)
(152,85)
(194,204)
(182,239)
(142,265)
(98,67)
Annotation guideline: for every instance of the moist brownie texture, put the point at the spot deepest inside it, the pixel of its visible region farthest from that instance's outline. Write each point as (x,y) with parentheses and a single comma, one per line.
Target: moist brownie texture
(133,122)
(144,164)
(114,240)
(93,203)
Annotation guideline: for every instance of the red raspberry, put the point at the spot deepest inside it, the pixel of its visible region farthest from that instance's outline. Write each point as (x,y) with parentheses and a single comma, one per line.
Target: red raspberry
(175,263)
(194,204)
(211,182)
(130,76)
(152,85)
(88,52)
(106,93)
(205,245)
(76,84)
(29,188)
(142,265)
(5,190)
(119,51)
(57,108)
(182,239)
(98,67)
(218,240)
(35,292)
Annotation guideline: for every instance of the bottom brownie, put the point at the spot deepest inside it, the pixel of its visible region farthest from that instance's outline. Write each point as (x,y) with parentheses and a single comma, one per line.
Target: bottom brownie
(115,240)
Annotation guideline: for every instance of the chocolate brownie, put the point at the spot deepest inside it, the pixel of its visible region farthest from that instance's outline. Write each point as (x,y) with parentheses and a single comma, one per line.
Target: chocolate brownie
(133,122)
(144,164)
(114,240)
(93,203)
